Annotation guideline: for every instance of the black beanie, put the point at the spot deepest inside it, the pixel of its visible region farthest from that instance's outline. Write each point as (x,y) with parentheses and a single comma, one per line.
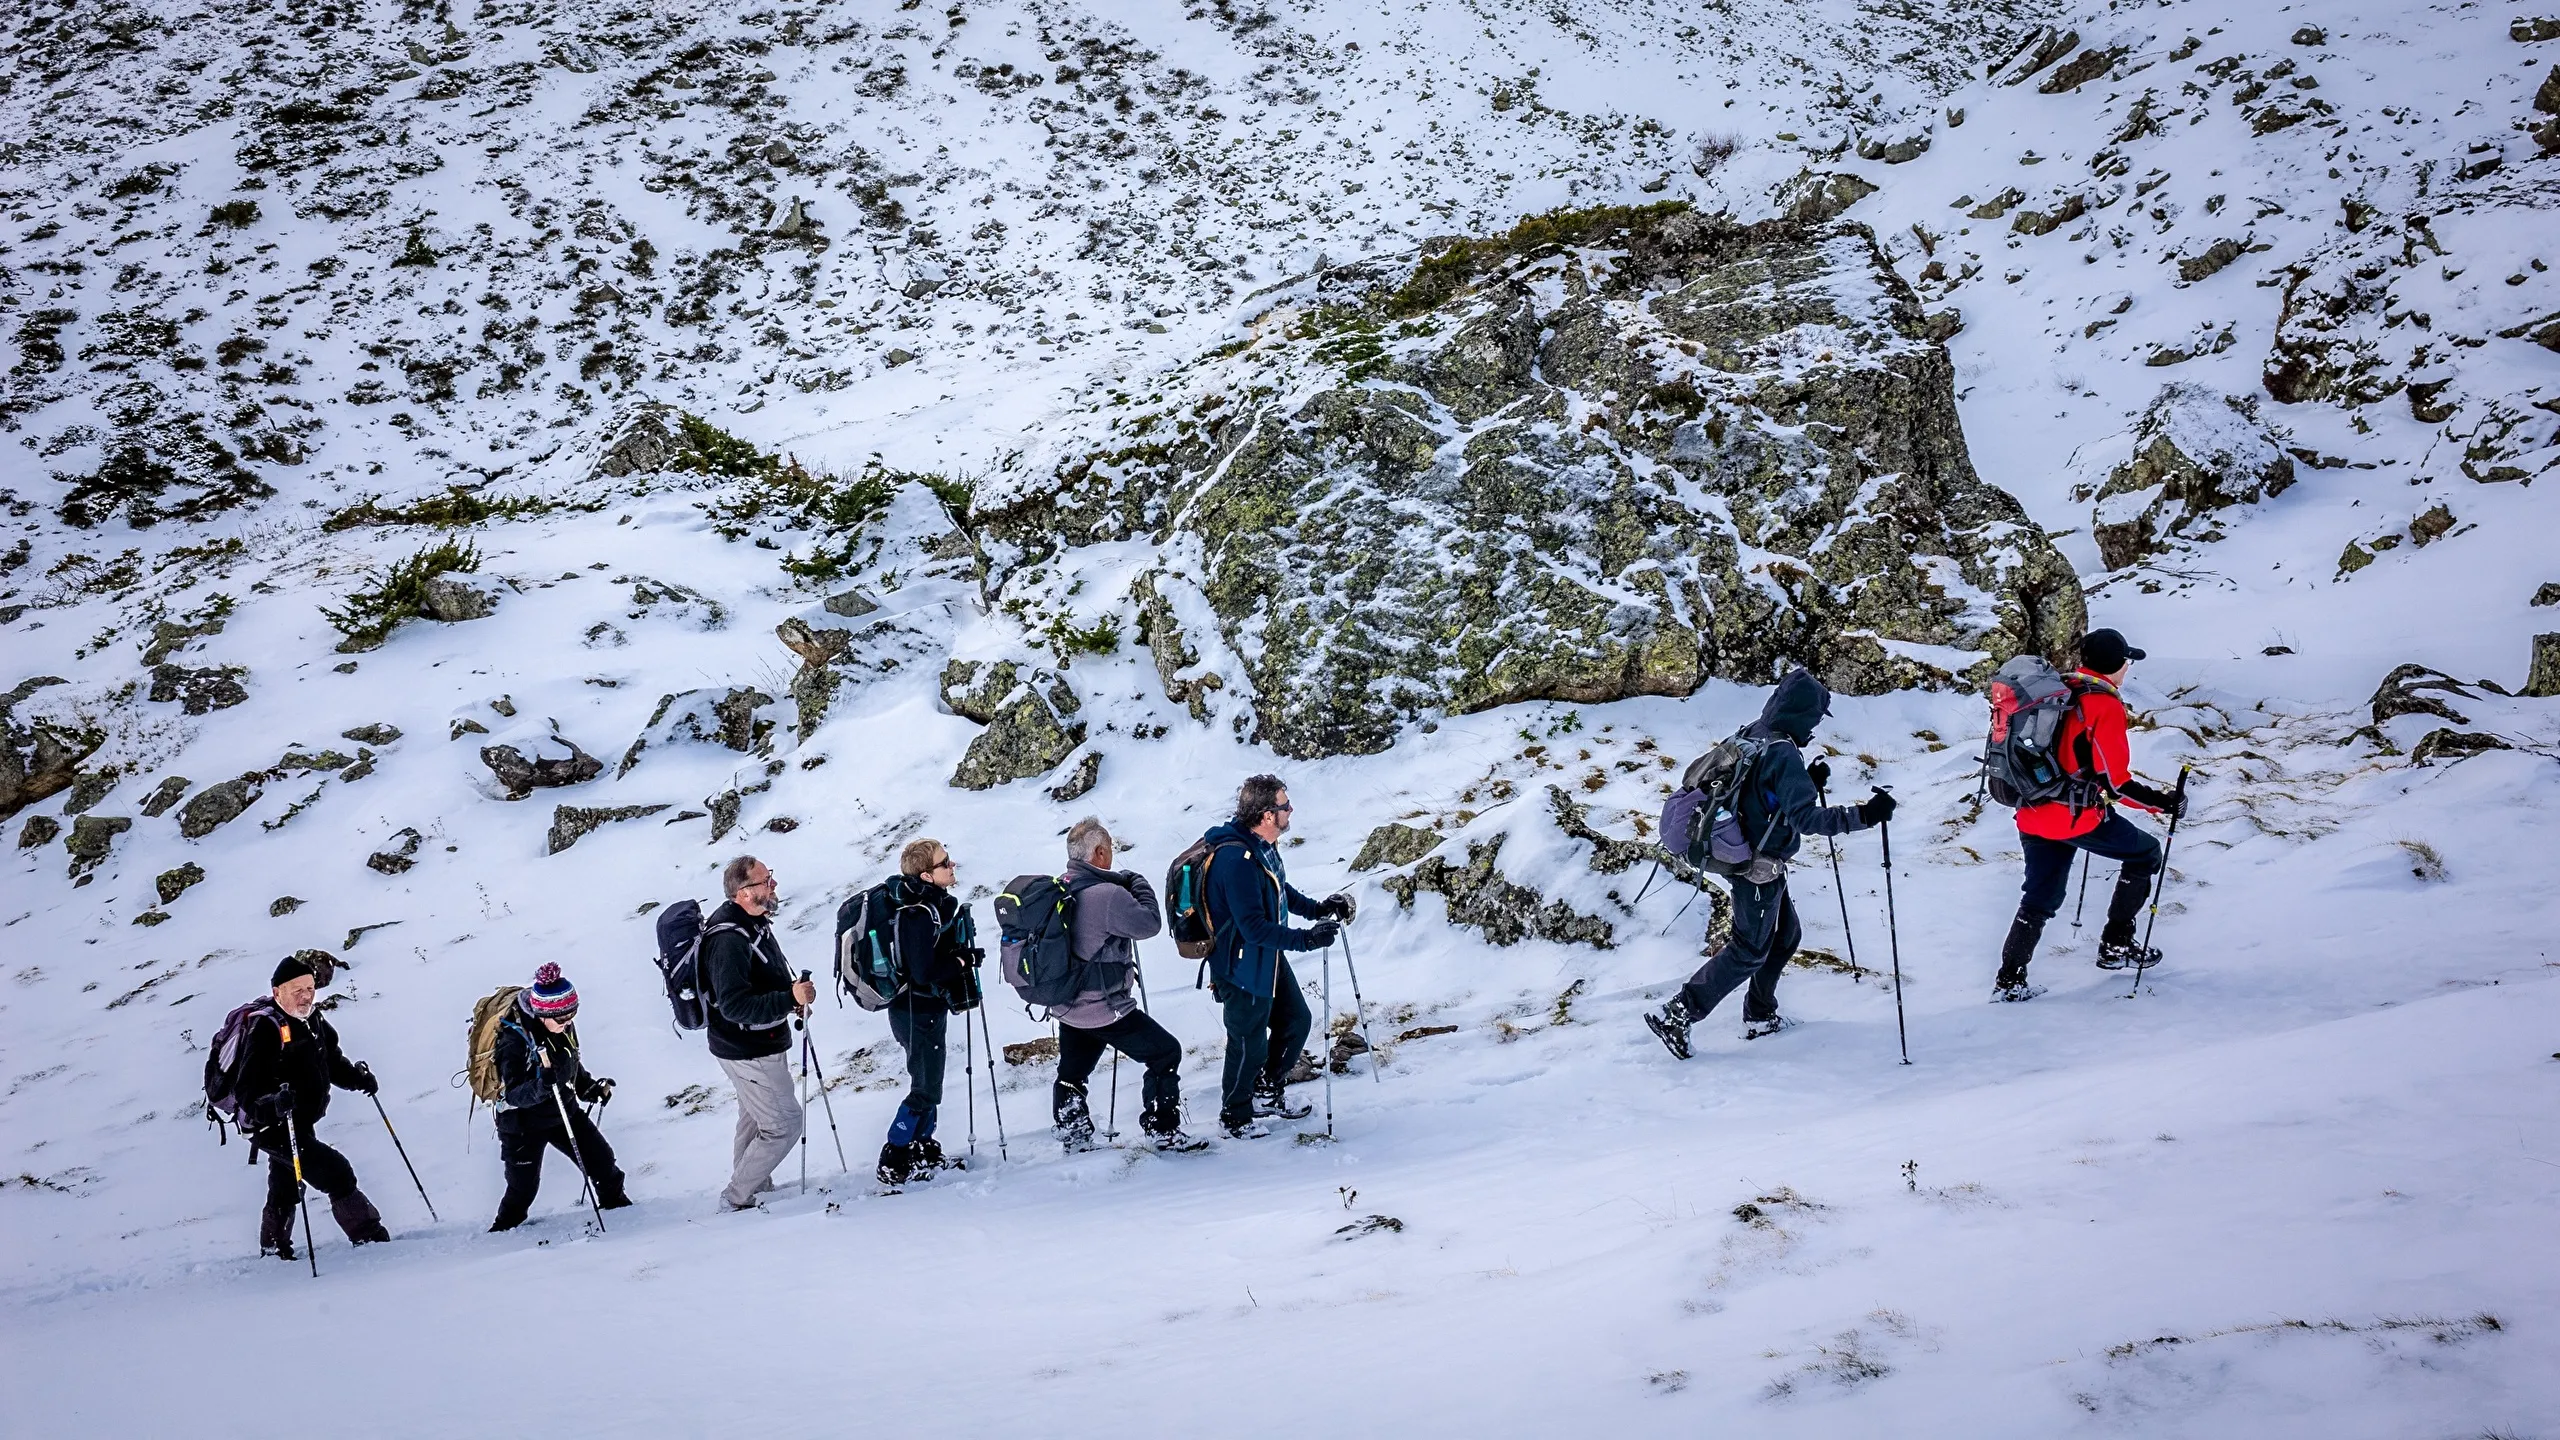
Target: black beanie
(2103,652)
(291,967)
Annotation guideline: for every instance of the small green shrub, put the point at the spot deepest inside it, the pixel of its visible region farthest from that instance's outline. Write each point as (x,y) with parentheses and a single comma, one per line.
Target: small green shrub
(417,251)
(450,511)
(369,615)
(238,214)
(709,450)
(955,495)
(1068,640)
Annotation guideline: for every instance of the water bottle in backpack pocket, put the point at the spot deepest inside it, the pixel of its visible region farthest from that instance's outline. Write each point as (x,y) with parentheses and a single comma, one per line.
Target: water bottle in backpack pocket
(867,964)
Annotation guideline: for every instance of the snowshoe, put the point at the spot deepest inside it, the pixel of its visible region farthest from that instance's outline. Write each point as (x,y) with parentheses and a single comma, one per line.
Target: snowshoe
(1177,1142)
(2126,955)
(2015,990)
(1244,1129)
(1670,1025)
(1271,1101)
(1758,1029)
(897,1165)
(1072,1116)
(929,1158)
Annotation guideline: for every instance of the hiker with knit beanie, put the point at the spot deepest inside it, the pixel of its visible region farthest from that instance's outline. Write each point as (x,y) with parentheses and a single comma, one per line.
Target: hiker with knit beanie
(539,1069)
(290,1061)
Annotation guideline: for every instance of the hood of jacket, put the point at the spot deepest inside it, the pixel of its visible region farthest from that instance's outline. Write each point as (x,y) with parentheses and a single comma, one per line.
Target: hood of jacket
(1794,708)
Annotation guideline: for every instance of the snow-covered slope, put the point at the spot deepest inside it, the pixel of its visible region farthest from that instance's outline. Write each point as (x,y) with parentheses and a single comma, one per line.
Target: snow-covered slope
(2299,1186)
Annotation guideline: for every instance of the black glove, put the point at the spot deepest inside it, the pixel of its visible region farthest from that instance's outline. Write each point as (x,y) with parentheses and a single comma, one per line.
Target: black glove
(1820,773)
(977,956)
(596,1091)
(2167,802)
(365,1084)
(276,1109)
(1878,808)
(1339,906)
(1322,933)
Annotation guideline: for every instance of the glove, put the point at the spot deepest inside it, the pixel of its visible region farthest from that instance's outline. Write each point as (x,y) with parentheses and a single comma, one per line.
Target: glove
(365,1084)
(1878,808)
(1340,906)
(977,956)
(1322,933)
(1820,772)
(596,1091)
(277,1108)
(2167,802)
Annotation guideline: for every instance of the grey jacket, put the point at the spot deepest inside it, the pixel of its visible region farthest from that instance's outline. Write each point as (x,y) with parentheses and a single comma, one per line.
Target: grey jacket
(1111,916)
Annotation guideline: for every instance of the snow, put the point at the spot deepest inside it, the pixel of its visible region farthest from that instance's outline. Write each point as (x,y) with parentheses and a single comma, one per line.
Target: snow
(2275,1194)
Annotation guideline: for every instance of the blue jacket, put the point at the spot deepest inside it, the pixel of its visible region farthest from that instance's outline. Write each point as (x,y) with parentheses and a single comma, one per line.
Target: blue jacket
(1784,793)
(1250,901)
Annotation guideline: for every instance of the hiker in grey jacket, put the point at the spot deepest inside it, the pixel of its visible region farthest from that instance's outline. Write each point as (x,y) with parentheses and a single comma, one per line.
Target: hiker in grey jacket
(1113,911)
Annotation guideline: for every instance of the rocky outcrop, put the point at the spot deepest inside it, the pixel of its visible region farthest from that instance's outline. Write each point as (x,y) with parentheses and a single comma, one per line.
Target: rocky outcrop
(175,882)
(157,803)
(198,692)
(218,805)
(839,643)
(92,836)
(374,734)
(1612,453)
(1029,713)
(453,600)
(705,717)
(522,776)
(1080,781)
(398,857)
(38,758)
(1394,844)
(572,823)
(2196,452)
(2542,680)
(1482,897)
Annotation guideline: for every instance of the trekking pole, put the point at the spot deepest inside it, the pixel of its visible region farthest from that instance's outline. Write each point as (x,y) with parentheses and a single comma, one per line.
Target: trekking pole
(1840,888)
(1361,1005)
(801,1024)
(310,1247)
(969,1067)
(577,1152)
(2159,885)
(1893,935)
(1113,1132)
(2083,907)
(809,1045)
(1328,1045)
(403,1149)
(986,1037)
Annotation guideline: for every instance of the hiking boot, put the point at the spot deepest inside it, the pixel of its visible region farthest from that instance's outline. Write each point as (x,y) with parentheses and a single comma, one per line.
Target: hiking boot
(2125,955)
(1163,1126)
(929,1158)
(1756,1029)
(275,1233)
(897,1164)
(1072,1115)
(616,1200)
(1272,1101)
(1670,1025)
(1247,1129)
(2013,991)
(356,1215)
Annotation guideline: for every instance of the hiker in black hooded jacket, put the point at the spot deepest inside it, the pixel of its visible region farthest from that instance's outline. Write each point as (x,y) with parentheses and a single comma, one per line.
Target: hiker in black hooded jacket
(1781,802)
(542,1080)
(937,945)
(291,1062)
(753,997)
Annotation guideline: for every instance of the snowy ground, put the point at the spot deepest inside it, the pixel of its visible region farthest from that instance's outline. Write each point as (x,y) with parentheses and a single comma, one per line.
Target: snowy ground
(2300,1186)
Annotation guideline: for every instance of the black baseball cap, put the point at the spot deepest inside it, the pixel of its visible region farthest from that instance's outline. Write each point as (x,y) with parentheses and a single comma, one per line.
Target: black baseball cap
(2104,652)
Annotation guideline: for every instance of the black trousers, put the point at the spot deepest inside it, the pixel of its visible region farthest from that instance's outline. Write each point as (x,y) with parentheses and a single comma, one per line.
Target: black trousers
(1764,939)
(2116,838)
(922,1026)
(324,1169)
(1264,1035)
(521,1151)
(1135,1035)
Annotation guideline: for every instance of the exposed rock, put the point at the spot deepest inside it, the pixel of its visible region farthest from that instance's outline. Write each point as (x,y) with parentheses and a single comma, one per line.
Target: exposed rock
(644,444)
(2549,594)
(218,805)
(374,734)
(570,823)
(452,600)
(2045,222)
(92,836)
(852,604)
(2431,524)
(157,803)
(88,788)
(522,776)
(1187,682)
(1031,1052)
(39,830)
(1634,451)
(2352,559)
(1088,771)
(2210,261)
(2401,693)
(2195,452)
(198,691)
(2080,69)
(283,905)
(2525,30)
(168,636)
(504,705)
(173,883)
(1817,197)
(1894,147)
(397,857)
(705,717)
(2044,45)
(1394,844)
(362,767)
(38,758)
(2542,681)
(2310,35)
(303,762)
(467,726)
(1508,913)
(1028,719)
(2454,745)
(814,646)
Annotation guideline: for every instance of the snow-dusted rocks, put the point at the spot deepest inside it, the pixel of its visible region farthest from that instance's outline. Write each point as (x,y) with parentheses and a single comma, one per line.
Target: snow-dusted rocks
(1030,715)
(522,775)
(705,717)
(2196,452)
(38,757)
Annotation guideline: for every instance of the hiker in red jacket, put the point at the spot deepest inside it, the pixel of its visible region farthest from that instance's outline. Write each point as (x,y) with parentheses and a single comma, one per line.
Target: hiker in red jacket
(2094,748)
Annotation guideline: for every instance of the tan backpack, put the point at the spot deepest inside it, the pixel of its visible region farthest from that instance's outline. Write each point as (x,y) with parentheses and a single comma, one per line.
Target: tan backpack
(486,1016)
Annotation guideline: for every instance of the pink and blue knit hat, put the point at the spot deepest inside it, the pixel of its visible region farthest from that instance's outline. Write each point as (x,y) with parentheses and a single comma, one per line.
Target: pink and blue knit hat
(551,996)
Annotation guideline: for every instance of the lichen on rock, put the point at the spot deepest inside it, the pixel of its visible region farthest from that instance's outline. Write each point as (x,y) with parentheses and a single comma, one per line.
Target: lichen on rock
(1029,714)
(1482,897)
(2196,452)
(1395,844)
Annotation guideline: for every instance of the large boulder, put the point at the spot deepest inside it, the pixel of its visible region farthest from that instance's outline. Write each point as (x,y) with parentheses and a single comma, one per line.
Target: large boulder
(1029,714)
(1612,453)
(2196,451)
(38,758)
(522,774)
(705,717)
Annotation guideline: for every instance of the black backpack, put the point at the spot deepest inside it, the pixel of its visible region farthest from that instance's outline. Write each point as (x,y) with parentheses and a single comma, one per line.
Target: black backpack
(1702,819)
(680,936)
(224,1060)
(1036,915)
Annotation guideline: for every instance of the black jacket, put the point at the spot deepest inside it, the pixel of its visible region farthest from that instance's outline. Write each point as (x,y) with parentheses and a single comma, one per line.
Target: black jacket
(531,1060)
(935,940)
(750,985)
(1781,790)
(301,1053)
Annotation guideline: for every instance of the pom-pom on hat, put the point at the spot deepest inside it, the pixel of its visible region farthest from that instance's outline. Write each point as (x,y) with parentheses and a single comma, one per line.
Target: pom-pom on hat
(551,996)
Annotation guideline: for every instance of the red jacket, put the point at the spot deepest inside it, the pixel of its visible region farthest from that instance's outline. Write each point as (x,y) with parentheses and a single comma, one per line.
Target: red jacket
(2092,742)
